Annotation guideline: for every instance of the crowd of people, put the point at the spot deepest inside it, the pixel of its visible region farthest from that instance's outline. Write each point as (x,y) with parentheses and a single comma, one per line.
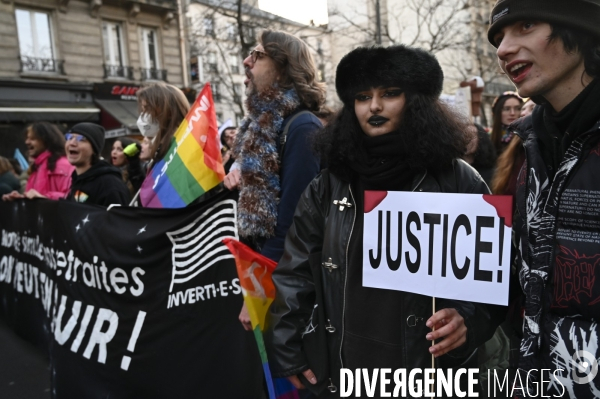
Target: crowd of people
(302,170)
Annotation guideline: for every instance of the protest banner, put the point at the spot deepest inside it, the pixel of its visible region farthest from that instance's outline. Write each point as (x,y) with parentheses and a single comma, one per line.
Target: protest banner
(454,246)
(129,302)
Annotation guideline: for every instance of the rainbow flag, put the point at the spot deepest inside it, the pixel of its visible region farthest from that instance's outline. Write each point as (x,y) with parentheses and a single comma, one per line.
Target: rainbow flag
(254,271)
(193,164)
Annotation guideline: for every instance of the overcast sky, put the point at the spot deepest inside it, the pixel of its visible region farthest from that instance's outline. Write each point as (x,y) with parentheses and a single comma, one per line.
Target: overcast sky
(297,10)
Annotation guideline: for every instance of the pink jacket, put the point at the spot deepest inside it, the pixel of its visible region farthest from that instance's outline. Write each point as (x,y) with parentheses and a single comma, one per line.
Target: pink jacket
(52,184)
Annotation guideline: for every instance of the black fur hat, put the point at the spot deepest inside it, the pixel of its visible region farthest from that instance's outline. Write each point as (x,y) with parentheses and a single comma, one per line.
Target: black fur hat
(412,69)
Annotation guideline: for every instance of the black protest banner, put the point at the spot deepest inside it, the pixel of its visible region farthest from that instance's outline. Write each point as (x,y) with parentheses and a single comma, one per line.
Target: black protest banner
(130,302)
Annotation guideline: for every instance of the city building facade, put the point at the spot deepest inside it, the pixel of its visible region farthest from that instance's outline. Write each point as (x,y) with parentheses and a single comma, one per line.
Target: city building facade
(69,61)
(222,32)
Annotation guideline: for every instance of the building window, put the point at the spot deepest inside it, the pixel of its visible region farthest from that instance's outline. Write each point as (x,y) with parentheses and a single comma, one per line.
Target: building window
(35,42)
(150,56)
(211,61)
(115,63)
(237,92)
(249,34)
(238,119)
(209,26)
(234,63)
(112,35)
(216,91)
(232,32)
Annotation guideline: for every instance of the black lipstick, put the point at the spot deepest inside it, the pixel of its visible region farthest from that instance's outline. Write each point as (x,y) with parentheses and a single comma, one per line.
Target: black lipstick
(377,120)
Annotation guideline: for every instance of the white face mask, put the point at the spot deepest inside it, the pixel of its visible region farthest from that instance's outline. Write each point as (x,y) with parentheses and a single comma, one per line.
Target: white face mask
(147,126)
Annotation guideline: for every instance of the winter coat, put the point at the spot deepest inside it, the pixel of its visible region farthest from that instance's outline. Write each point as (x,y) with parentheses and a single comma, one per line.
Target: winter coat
(313,269)
(9,183)
(51,184)
(298,166)
(557,230)
(102,184)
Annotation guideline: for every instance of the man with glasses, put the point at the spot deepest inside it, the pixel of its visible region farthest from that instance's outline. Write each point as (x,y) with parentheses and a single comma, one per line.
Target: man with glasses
(550,50)
(94,181)
(274,161)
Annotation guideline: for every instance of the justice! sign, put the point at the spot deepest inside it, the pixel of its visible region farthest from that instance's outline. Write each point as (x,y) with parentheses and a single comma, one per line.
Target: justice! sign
(454,246)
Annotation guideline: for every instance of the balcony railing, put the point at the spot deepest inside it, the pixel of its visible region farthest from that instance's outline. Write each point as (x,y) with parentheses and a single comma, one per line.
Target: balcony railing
(118,71)
(154,74)
(46,65)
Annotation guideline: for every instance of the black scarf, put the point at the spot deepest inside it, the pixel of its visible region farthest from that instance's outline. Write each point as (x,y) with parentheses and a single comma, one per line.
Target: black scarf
(557,130)
(382,165)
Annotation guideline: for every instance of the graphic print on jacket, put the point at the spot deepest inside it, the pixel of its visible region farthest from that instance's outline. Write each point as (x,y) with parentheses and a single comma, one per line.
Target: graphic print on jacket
(558,258)
(575,287)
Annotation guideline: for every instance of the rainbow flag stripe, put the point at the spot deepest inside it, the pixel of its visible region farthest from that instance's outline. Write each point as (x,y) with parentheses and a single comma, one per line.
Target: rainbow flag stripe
(254,271)
(193,163)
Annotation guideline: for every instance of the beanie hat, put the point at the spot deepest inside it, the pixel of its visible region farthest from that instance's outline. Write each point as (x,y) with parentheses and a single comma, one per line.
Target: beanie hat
(412,69)
(94,133)
(580,14)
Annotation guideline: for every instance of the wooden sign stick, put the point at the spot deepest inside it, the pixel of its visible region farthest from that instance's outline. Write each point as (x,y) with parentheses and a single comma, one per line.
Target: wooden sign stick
(433,343)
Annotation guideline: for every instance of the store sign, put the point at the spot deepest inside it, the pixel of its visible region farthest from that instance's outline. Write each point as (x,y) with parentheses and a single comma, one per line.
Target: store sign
(110,91)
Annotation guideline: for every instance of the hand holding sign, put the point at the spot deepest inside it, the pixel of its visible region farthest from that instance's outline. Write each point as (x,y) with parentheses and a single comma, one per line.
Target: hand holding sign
(447,324)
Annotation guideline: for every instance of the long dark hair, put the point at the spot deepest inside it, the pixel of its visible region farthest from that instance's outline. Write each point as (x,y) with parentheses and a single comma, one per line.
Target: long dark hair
(53,140)
(497,128)
(433,136)
(485,156)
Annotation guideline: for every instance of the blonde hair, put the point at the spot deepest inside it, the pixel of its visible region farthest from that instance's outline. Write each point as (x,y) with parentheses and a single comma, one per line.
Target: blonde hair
(296,67)
(167,105)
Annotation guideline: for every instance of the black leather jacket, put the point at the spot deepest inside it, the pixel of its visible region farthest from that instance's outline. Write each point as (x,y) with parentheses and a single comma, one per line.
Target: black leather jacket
(318,242)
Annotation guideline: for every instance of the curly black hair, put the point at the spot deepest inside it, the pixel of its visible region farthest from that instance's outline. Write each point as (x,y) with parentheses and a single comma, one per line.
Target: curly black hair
(433,136)
(485,156)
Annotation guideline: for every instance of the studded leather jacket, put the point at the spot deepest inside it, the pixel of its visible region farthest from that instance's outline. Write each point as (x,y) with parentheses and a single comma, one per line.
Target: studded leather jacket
(311,277)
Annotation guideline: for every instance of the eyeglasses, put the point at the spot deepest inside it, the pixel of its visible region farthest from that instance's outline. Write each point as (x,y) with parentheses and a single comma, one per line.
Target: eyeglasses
(257,55)
(79,138)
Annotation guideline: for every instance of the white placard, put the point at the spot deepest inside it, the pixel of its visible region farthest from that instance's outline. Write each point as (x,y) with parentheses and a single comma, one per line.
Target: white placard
(454,246)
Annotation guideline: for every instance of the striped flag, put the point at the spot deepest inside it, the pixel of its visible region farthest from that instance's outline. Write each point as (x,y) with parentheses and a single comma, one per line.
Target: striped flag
(199,245)
(193,163)
(254,271)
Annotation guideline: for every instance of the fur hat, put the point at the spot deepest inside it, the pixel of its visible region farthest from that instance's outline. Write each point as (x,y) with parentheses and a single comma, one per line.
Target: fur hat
(580,14)
(94,133)
(412,69)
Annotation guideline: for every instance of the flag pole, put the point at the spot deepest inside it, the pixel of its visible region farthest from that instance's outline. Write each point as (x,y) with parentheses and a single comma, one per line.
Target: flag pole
(432,355)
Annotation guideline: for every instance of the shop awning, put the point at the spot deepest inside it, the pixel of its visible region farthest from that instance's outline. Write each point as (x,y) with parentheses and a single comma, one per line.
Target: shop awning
(126,112)
(49,112)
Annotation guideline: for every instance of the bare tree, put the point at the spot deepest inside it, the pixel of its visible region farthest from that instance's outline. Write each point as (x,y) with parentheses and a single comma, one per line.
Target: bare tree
(434,25)
(478,56)
(227,27)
